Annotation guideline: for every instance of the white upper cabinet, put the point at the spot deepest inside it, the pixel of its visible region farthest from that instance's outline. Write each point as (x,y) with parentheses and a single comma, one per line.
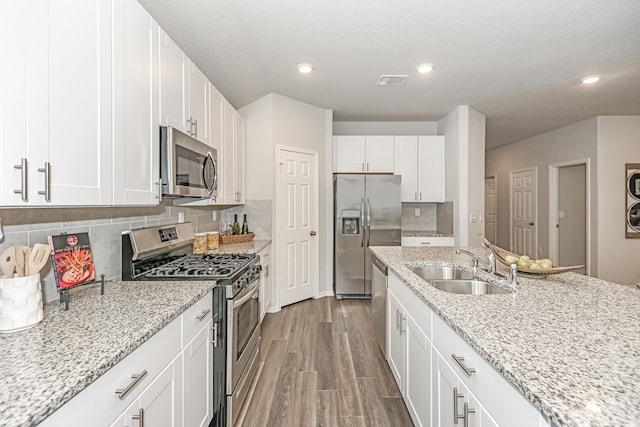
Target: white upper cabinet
(356,153)
(173,84)
(135,105)
(232,165)
(56,103)
(198,103)
(216,108)
(420,161)
(184,91)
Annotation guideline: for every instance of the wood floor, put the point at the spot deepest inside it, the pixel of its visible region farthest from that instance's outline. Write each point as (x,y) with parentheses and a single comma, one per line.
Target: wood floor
(320,366)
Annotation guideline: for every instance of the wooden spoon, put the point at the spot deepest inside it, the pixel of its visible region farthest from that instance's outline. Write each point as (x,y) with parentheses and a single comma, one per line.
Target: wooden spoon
(7,264)
(18,257)
(27,253)
(38,257)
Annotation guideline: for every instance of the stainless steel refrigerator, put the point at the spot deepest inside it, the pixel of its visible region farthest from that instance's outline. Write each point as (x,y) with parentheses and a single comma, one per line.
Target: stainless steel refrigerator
(367,212)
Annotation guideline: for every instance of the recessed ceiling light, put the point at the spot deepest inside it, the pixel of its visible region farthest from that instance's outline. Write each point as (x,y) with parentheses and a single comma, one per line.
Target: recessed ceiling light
(305,68)
(594,408)
(424,68)
(590,80)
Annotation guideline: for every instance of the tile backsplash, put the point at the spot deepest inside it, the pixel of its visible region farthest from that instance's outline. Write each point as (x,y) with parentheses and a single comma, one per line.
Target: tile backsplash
(436,217)
(27,226)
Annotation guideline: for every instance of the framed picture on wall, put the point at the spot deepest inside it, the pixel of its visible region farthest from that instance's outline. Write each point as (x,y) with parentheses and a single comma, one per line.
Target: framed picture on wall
(632,211)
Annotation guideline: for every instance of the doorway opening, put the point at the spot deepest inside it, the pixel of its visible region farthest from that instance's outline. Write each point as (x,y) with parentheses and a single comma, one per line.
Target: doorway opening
(569,214)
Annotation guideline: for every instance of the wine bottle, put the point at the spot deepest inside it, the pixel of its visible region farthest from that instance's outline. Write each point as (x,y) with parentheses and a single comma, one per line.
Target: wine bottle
(235,228)
(245,227)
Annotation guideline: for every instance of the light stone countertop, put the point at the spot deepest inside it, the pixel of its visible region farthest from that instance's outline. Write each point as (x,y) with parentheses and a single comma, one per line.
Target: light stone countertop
(252,247)
(564,343)
(424,233)
(44,367)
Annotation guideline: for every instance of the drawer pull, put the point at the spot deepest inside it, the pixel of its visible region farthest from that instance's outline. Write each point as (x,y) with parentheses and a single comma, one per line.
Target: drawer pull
(123,392)
(425,243)
(460,361)
(140,417)
(203,314)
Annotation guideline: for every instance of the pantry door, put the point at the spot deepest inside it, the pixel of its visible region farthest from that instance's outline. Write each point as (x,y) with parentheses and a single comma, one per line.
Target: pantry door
(523,212)
(297,217)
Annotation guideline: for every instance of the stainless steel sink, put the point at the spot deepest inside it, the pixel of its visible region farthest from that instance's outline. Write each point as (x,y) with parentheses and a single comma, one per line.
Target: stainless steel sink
(430,273)
(470,287)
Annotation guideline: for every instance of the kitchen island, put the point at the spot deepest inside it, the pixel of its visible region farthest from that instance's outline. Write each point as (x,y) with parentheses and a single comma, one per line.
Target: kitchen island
(44,367)
(569,343)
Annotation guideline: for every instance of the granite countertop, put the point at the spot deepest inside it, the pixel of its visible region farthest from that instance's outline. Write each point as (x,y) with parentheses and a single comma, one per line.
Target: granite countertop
(252,247)
(43,367)
(424,233)
(565,343)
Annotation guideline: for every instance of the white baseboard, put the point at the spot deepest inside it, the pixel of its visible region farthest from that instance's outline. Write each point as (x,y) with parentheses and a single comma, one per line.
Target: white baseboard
(324,294)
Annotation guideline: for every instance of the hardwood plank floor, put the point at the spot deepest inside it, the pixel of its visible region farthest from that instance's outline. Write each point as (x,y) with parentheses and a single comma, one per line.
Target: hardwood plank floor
(321,366)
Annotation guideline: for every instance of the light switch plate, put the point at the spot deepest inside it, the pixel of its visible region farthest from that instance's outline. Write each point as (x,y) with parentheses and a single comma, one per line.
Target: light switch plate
(180,217)
(214,216)
(417,212)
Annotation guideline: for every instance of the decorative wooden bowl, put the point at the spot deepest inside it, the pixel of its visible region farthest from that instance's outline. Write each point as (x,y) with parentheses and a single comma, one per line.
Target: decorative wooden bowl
(501,255)
(237,238)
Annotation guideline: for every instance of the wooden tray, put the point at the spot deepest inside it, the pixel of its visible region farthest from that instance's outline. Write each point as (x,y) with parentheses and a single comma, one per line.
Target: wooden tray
(237,238)
(501,254)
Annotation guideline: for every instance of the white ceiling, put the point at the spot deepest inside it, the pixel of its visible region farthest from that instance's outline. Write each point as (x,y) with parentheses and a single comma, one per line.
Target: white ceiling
(516,61)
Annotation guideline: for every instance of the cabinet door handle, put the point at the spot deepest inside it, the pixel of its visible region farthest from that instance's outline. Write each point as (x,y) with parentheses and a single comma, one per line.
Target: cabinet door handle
(195,125)
(421,195)
(139,417)
(460,361)
(123,392)
(456,396)
(362,167)
(23,189)
(425,243)
(367,166)
(203,314)
(159,190)
(47,181)
(466,413)
(403,324)
(215,334)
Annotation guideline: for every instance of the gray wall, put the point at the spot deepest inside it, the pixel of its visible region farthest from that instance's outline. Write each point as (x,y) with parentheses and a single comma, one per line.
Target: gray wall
(575,142)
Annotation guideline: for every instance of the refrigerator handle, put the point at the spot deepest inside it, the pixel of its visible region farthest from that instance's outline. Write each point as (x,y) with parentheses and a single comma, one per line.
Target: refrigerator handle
(368,221)
(362,227)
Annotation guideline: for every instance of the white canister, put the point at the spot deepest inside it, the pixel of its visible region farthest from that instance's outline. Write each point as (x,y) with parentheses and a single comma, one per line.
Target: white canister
(20,303)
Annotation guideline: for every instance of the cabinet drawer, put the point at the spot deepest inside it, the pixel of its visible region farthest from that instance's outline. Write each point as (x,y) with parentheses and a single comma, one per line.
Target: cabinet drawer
(505,404)
(152,356)
(427,241)
(196,316)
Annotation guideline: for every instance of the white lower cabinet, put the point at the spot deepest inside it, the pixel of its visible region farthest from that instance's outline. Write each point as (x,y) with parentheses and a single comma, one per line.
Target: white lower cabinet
(265,280)
(198,379)
(422,351)
(159,404)
(409,354)
(161,383)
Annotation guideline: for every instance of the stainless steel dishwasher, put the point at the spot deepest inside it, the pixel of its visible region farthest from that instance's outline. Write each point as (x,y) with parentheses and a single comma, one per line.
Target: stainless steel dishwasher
(379,302)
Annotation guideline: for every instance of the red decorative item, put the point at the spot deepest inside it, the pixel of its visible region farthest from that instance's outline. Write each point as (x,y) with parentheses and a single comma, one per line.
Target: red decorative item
(72,260)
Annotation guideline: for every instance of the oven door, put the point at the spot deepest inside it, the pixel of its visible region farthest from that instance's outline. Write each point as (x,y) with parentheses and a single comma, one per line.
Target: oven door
(188,167)
(243,332)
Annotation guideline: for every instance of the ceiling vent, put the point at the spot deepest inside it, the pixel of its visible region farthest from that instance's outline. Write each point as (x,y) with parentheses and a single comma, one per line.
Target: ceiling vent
(392,79)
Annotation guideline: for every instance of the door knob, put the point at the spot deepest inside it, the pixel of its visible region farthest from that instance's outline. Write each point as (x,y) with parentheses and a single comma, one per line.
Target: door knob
(531,223)
(312,233)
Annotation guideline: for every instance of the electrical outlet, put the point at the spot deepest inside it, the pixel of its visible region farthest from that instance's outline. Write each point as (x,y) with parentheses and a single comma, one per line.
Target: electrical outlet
(180,217)
(417,212)
(214,216)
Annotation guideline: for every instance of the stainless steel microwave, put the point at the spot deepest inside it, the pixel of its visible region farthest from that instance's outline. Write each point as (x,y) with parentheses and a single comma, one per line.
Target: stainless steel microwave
(188,167)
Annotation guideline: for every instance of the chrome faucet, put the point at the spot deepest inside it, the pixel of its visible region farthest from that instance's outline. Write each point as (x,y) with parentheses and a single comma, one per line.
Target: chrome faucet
(489,265)
(513,276)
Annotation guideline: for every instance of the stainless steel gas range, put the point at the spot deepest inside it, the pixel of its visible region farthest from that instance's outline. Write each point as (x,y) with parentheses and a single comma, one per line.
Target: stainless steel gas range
(164,254)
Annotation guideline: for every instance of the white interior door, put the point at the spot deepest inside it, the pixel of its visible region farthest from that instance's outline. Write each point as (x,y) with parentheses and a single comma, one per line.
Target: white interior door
(490,208)
(523,212)
(297,225)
